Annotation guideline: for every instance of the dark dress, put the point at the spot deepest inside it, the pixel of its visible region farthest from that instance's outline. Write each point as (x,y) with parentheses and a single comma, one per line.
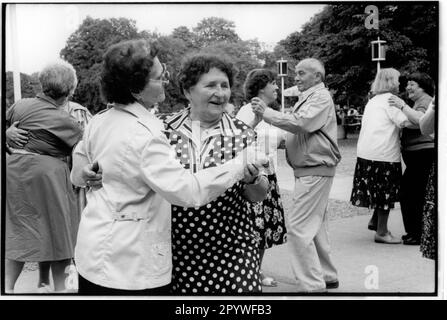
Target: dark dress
(429,242)
(214,248)
(41,219)
(376,184)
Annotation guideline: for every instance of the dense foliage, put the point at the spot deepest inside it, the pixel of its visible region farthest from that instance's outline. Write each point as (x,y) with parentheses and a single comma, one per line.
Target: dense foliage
(337,35)
(29,86)
(86,46)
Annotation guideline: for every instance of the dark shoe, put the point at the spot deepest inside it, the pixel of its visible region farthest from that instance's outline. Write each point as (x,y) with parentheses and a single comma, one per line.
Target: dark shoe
(412,241)
(372,226)
(332,284)
(388,239)
(406,236)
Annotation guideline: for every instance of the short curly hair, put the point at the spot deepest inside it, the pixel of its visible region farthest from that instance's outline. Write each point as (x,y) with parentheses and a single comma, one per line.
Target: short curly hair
(58,79)
(424,81)
(125,70)
(257,79)
(194,66)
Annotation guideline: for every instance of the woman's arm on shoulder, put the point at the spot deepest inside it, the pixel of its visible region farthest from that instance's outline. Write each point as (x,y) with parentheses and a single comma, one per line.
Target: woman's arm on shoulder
(412,115)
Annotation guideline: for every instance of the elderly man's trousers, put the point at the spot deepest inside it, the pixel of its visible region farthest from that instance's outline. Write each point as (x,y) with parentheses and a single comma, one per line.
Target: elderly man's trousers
(307,237)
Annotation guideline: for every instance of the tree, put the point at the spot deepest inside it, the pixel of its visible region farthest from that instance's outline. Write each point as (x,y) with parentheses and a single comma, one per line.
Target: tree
(240,53)
(29,87)
(211,30)
(338,37)
(85,49)
(187,36)
(172,49)
(86,46)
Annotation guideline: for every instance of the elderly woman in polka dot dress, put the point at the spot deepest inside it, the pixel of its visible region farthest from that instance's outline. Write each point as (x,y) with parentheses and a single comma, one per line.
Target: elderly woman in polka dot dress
(214,247)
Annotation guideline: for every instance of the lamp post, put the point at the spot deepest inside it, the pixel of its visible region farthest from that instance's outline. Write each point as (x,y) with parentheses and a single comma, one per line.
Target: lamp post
(282,72)
(378,51)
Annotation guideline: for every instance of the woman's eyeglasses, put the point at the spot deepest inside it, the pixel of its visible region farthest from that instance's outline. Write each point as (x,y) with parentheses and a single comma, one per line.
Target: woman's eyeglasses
(164,77)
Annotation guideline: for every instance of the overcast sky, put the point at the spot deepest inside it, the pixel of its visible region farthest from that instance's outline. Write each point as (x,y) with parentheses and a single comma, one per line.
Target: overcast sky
(42,29)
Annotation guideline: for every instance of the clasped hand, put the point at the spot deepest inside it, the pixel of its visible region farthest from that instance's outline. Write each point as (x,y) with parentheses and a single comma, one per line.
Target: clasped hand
(255,161)
(258,106)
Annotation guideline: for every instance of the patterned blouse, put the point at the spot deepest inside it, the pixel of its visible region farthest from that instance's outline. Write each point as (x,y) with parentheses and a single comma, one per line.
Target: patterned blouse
(214,249)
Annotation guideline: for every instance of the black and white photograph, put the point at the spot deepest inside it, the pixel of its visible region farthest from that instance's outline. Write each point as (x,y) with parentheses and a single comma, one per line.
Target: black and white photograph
(241,150)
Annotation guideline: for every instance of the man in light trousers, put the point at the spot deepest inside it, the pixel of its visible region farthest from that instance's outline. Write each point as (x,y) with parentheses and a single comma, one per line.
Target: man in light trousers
(312,151)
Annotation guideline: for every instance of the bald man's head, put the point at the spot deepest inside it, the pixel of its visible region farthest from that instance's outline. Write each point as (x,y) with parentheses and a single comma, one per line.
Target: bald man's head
(310,72)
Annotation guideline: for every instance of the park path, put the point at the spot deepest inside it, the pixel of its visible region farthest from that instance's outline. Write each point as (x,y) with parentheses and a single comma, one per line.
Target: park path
(399,268)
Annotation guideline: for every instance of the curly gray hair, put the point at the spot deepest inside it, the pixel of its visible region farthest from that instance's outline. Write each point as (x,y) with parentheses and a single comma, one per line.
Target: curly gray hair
(58,79)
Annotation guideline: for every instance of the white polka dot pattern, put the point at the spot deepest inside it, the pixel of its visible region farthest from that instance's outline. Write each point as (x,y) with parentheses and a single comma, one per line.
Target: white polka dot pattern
(214,250)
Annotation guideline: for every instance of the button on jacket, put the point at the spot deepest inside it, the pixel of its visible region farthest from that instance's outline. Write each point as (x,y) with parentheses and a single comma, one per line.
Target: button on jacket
(124,237)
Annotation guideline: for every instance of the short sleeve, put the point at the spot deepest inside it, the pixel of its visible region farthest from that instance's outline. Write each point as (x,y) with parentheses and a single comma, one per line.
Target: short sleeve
(397,117)
(246,114)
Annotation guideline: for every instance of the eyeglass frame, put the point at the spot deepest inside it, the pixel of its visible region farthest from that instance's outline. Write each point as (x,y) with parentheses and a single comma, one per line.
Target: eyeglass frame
(164,77)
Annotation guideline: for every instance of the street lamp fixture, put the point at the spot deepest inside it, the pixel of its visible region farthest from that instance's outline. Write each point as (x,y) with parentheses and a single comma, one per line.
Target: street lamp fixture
(378,51)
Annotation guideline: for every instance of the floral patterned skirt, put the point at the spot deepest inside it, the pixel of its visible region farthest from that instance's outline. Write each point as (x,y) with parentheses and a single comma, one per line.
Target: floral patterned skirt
(268,215)
(429,220)
(376,184)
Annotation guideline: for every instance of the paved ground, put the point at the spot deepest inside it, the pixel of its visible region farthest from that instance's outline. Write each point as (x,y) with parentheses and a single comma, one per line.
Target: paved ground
(399,268)
(364,266)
